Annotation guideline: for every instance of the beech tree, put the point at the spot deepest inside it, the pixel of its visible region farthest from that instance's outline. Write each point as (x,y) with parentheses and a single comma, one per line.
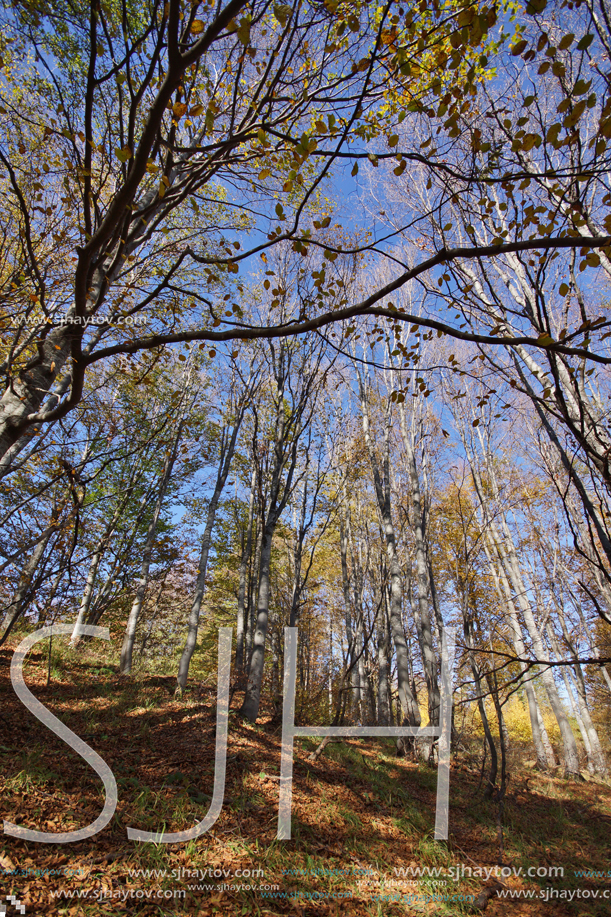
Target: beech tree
(177,129)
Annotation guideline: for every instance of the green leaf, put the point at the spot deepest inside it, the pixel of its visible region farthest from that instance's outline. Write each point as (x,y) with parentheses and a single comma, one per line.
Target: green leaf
(531,140)
(544,339)
(243,30)
(581,87)
(282,12)
(563,289)
(585,42)
(535,6)
(124,154)
(355,169)
(518,47)
(572,119)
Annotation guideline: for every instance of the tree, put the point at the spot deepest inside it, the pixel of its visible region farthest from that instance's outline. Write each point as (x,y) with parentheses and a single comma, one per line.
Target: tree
(295,383)
(162,110)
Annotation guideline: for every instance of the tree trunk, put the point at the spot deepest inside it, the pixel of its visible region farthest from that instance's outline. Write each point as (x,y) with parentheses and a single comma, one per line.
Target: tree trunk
(383,648)
(351,655)
(467,627)
(127,650)
(225,459)
(543,747)
(252,698)
(506,552)
(241,621)
(382,489)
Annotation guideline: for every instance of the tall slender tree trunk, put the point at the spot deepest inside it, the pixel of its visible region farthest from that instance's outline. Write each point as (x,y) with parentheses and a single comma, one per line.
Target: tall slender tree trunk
(127,650)
(225,459)
(477,683)
(382,488)
(243,571)
(252,698)
(383,662)
(423,584)
(543,747)
(506,552)
(351,656)
(253,593)
(596,756)
(87,594)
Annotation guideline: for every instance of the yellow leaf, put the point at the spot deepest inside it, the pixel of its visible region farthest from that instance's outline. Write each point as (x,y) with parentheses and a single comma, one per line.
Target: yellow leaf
(197,26)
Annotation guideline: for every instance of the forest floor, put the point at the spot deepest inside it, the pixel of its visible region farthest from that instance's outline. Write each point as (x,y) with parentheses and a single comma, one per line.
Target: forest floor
(360,816)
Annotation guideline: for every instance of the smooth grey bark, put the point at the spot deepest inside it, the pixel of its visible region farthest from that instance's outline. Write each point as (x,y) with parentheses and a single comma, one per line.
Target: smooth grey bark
(28,392)
(252,592)
(87,593)
(544,752)
(383,661)
(330,685)
(252,698)
(351,637)
(365,708)
(423,579)
(227,449)
(381,480)
(36,391)
(242,579)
